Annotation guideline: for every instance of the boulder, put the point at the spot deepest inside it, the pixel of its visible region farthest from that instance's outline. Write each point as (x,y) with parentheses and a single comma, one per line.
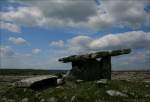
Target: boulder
(102,82)
(116,93)
(79,81)
(74,99)
(60,81)
(37,82)
(25,99)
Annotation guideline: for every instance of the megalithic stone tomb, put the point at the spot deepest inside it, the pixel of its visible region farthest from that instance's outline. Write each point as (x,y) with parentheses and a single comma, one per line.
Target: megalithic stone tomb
(92,66)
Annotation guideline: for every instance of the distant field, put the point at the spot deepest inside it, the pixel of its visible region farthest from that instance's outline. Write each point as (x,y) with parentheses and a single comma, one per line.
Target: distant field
(45,72)
(29,72)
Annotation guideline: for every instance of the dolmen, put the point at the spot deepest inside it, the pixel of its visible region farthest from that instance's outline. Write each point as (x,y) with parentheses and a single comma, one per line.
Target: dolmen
(93,66)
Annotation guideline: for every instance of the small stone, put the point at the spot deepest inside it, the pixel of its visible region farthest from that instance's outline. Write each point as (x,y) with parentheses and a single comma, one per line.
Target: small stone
(147,95)
(25,100)
(52,99)
(60,87)
(10,100)
(4,98)
(132,93)
(99,100)
(60,81)
(147,81)
(146,85)
(42,100)
(79,81)
(102,81)
(115,93)
(74,99)
(65,97)
(24,90)
(37,94)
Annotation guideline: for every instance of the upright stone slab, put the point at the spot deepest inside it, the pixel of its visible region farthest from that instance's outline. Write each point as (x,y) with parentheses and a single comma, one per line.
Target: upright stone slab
(106,67)
(91,69)
(92,66)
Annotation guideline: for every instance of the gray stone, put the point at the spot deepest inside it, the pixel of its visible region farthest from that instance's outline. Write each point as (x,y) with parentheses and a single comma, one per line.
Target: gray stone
(59,87)
(60,81)
(79,81)
(74,99)
(146,85)
(115,93)
(42,100)
(147,95)
(37,81)
(147,81)
(52,99)
(4,98)
(100,54)
(102,82)
(25,99)
(10,100)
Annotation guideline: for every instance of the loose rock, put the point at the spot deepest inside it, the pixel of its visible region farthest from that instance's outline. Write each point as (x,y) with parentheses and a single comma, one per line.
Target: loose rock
(115,93)
(60,81)
(42,100)
(60,87)
(79,81)
(10,100)
(74,99)
(102,81)
(52,99)
(25,100)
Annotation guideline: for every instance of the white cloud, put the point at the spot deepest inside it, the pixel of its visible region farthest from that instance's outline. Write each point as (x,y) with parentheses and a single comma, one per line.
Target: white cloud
(133,40)
(65,9)
(6,51)
(109,13)
(79,43)
(138,41)
(24,16)
(137,59)
(18,41)
(128,39)
(36,51)
(59,43)
(10,27)
(126,13)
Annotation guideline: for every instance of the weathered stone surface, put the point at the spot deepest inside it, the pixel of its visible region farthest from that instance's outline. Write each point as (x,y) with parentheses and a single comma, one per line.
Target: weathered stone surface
(102,82)
(38,81)
(100,54)
(60,81)
(115,93)
(91,69)
(79,81)
(52,99)
(74,99)
(25,99)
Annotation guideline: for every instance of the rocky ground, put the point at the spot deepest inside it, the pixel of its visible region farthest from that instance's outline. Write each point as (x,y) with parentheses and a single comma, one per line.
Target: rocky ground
(124,87)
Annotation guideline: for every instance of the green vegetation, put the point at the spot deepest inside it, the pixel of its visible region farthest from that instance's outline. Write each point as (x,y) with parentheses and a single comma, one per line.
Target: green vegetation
(85,92)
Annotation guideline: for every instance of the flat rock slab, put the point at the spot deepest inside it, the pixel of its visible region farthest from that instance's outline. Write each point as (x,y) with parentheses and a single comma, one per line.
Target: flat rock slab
(37,81)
